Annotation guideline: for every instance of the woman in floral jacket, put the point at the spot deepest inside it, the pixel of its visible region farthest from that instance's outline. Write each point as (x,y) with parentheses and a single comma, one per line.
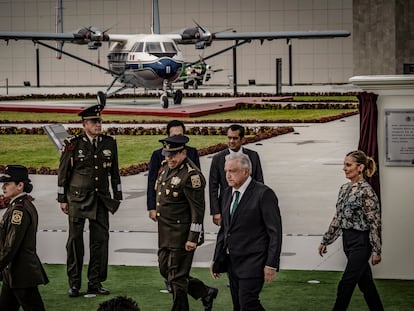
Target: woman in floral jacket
(358,218)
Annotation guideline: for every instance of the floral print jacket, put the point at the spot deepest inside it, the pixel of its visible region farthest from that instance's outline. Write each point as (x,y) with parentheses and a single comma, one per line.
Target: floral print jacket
(357,208)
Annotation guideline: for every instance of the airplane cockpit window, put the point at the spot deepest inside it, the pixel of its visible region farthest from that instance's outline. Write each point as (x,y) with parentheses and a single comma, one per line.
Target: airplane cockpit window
(170,47)
(138,47)
(153,48)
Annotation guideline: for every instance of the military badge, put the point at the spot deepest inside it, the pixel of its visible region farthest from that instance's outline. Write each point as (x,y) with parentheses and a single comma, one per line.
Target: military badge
(196,181)
(107,152)
(175,181)
(17,217)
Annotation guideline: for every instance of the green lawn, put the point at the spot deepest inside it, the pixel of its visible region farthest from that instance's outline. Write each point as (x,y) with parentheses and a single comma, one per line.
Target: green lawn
(241,114)
(38,150)
(290,292)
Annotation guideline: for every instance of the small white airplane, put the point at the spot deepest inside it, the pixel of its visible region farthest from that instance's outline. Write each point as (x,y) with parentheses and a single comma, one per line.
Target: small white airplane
(153,61)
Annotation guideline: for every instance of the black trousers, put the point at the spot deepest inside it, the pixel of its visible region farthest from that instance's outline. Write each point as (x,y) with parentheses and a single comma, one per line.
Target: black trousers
(175,266)
(98,248)
(11,299)
(245,292)
(357,249)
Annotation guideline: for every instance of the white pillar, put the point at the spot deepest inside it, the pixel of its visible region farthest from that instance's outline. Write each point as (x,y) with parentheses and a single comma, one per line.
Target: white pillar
(397,182)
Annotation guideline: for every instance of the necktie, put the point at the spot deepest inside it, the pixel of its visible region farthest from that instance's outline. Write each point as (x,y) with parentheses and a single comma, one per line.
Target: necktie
(94,143)
(235,203)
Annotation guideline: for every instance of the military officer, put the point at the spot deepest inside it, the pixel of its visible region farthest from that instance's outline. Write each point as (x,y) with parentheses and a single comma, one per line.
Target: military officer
(83,192)
(20,267)
(180,212)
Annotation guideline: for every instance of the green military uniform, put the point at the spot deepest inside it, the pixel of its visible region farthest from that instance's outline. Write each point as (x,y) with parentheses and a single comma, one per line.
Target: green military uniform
(20,267)
(83,183)
(180,212)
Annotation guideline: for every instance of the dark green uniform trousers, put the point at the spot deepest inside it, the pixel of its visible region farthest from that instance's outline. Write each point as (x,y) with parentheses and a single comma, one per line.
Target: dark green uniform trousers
(175,266)
(98,247)
(11,299)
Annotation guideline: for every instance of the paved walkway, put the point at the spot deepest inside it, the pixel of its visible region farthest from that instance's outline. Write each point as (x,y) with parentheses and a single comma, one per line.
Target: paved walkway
(304,168)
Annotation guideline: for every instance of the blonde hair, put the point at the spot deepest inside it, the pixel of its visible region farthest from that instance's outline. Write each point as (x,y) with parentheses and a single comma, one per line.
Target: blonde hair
(361,158)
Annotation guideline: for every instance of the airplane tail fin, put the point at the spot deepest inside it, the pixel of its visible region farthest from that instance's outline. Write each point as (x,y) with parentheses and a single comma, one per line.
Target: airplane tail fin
(155,17)
(59,27)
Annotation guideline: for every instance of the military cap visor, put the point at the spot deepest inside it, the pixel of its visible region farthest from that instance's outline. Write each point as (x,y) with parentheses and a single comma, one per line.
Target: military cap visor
(16,173)
(92,113)
(173,144)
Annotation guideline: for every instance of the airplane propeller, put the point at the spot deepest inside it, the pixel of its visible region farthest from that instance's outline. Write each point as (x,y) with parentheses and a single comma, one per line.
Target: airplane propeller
(205,36)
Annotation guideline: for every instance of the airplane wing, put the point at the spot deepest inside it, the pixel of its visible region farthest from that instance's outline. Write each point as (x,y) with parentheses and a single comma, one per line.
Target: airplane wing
(41,36)
(86,35)
(203,38)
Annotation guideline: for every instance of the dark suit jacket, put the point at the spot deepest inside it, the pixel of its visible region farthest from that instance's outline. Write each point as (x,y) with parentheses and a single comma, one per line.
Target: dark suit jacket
(253,237)
(154,167)
(217,180)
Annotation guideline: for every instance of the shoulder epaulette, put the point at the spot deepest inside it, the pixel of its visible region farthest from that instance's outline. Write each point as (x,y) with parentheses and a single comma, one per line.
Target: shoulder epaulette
(70,139)
(190,168)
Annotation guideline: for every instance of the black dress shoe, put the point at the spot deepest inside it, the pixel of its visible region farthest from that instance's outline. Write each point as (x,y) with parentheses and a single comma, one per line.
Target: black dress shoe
(98,291)
(209,299)
(73,292)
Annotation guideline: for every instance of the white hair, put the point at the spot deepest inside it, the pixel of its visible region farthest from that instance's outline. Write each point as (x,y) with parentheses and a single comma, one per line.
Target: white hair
(242,158)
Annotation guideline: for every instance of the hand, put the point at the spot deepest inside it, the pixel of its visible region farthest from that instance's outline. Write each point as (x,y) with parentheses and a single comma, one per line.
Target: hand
(152,214)
(375,259)
(217,219)
(269,275)
(322,250)
(213,274)
(64,207)
(190,246)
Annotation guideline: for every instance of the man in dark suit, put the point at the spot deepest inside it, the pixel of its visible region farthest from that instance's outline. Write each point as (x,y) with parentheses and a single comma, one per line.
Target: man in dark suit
(83,192)
(217,178)
(250,237)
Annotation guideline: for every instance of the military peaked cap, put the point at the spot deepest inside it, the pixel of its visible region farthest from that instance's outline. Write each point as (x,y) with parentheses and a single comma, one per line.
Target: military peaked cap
(173,144)
(92,112)
(14,172)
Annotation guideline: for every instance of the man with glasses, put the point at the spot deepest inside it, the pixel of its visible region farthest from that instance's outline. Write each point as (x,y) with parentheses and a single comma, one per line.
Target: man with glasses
(217,178)
(83,192)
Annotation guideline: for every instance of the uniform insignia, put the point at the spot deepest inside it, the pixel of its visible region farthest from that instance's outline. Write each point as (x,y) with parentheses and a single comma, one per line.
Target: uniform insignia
(107,152)
(196,181)
(175,181)
(17,217)
(189,168)
(175,194)
(167,191)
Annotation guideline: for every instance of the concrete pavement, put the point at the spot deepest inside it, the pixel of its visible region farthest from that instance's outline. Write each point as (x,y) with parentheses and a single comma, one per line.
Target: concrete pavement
(304,168)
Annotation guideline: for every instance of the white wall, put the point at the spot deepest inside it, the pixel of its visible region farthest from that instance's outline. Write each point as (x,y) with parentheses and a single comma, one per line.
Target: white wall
(397,183)
(314,61)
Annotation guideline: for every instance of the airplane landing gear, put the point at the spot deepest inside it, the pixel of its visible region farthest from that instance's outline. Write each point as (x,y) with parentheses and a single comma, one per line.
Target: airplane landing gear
(169,92)
(178,97)
(101,97)
(164,100)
